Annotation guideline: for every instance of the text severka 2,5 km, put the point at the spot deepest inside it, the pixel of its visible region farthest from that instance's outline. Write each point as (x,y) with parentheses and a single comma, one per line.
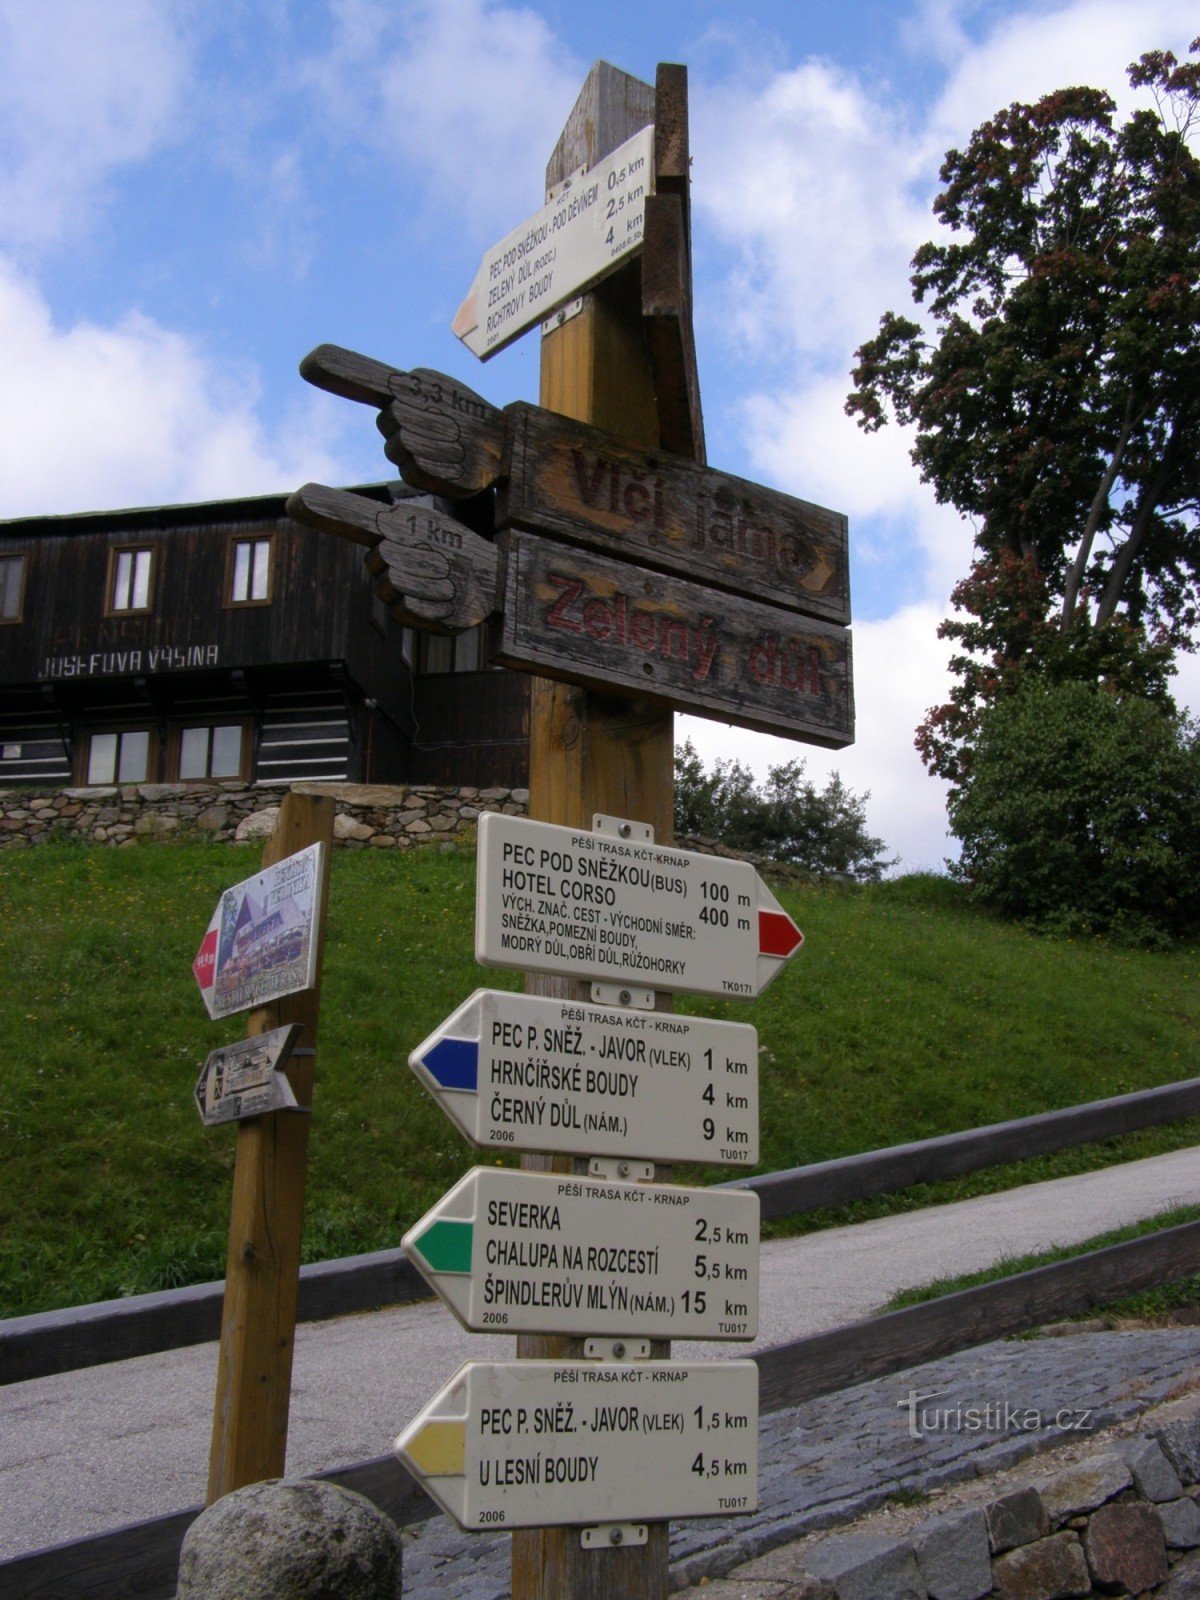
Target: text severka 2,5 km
(532,1252)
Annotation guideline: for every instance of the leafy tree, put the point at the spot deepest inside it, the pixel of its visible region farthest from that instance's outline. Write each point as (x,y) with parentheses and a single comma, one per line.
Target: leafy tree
(1007,637)
(1055,397)
(788,819)
(1083,812)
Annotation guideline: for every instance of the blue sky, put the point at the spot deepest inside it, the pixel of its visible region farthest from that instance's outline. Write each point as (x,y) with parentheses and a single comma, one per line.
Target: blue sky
(193,195)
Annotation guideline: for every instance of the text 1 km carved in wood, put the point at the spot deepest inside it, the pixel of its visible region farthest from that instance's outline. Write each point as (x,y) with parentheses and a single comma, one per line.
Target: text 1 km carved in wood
(750,586)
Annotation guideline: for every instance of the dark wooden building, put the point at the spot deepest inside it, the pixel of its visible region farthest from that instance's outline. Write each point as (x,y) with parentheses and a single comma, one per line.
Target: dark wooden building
(225,641)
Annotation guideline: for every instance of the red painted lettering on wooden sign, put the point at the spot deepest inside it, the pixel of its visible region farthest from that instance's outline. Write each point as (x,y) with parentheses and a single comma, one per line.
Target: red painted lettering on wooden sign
(577,616)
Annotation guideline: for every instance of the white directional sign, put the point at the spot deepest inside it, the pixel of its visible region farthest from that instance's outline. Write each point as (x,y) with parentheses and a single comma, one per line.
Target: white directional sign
(261,943)
(527,1444)
(590,905)
(566,247)
(242,1080)
(521,1072)
(532,1252)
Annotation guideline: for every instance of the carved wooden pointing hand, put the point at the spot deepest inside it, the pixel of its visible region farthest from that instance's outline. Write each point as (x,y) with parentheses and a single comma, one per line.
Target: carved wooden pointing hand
(433,572)
(442,435)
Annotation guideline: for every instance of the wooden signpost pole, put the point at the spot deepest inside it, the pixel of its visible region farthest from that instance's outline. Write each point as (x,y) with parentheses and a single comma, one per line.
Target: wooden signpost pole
(262,1274)
(590,753)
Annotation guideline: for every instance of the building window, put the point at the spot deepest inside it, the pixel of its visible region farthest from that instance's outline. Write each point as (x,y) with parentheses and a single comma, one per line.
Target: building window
(249,571)
(12,587)
(214,751)
(130,577)
(119,757)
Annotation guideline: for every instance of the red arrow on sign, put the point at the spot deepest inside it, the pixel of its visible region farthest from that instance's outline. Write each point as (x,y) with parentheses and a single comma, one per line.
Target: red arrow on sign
(778,935)
(205,963)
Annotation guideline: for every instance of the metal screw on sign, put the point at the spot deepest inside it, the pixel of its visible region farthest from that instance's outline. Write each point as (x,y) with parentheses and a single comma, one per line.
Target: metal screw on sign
(626,997)
(619,1351)
(615,1536)
(624,830)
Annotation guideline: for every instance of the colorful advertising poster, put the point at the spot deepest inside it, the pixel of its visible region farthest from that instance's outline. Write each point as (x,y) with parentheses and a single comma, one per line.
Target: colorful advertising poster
(261,942)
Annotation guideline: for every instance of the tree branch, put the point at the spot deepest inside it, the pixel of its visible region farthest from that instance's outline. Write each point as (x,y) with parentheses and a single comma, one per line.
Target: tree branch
(1147,505)
(1096,510)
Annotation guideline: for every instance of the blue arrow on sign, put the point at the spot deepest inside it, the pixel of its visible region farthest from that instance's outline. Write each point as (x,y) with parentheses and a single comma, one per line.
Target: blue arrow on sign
(454,1064)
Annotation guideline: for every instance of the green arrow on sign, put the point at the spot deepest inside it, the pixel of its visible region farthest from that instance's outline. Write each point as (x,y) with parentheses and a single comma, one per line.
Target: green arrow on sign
(446,1246)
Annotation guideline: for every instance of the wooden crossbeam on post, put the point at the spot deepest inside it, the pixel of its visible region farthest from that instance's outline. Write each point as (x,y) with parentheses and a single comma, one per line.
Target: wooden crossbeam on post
(594,753)
(262,1273)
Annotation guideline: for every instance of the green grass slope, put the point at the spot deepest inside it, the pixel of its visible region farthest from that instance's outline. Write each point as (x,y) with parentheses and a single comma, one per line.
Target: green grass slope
(907,1014)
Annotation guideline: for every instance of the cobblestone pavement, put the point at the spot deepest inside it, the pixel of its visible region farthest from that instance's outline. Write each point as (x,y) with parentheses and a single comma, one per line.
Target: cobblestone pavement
(831,1460)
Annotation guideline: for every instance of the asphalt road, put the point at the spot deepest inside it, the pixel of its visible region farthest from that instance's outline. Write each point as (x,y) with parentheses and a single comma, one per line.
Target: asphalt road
(88,1451)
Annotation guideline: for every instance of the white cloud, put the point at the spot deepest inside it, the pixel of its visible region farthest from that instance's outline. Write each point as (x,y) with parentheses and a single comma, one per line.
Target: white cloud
(804,443)
(899,672)
(84,89)
(470,96)
(1032,52)
(808,183)
(135,414)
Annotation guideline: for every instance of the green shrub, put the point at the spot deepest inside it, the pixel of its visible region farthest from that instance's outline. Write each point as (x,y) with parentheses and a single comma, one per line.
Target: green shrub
(1081,813)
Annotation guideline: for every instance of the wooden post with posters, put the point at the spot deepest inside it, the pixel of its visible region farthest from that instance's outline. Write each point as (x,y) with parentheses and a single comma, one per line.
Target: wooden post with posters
(262,1274)
(593,753)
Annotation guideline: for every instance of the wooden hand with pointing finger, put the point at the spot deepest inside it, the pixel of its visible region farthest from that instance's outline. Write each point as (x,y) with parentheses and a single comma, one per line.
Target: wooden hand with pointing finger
(442,435)
(433,571)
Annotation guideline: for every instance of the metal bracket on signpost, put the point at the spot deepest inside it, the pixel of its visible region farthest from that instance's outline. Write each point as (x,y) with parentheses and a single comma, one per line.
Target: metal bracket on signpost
(563,314)
(617,1169)
(612,994)
(616,1349)
(611,1535)
(622,828)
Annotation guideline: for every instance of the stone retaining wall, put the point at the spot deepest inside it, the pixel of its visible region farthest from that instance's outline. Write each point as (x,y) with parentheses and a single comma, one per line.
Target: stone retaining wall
(367,815)
(1118,1523)
(381,816)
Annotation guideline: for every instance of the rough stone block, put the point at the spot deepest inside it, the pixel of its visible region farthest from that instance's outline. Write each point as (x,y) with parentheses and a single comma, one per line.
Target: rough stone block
(1084,1486)
(1154,1477)
(1051,1569)
(1181,1443)
(1181,1523)
(348,827)
(155,823)
(1017,1518)
(863,1566)
(258,825)
(1184,1582)
(1125,1548)
(952,1555)
(297,1537)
